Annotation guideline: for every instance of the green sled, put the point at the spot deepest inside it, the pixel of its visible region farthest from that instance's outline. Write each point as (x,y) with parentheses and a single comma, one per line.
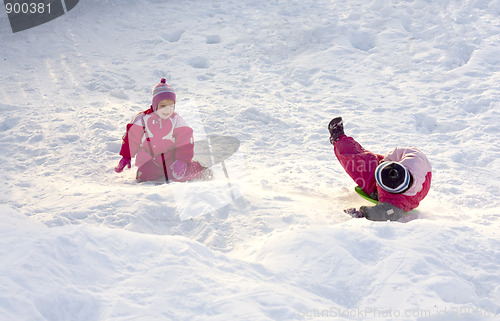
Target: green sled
(368,198)
(364,195)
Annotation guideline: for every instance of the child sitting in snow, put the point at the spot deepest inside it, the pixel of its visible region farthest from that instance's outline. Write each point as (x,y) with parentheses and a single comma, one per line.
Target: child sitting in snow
(399,180)
(161,141)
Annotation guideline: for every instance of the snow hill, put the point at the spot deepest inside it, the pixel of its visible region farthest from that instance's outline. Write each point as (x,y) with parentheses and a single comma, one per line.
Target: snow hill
(80,242)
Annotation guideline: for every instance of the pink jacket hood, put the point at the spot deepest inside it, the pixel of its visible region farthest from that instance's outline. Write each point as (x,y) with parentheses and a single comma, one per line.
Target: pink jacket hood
(416,162)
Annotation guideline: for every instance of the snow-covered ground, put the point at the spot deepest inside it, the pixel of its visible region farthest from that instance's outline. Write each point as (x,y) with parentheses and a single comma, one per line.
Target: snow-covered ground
(80,242)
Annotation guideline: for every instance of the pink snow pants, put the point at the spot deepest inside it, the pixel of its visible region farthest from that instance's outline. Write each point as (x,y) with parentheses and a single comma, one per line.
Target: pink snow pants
(153,170)
(358,162)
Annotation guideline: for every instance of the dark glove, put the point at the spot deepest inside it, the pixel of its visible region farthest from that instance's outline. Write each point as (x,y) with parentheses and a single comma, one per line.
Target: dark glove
(381,212)
(121,165)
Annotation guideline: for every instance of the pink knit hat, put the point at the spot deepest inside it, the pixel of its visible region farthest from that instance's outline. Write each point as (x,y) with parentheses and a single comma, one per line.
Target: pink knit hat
(162,91)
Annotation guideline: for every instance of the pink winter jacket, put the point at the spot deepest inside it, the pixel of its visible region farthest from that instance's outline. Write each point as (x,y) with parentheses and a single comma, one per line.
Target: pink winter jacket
(420,168)
(148,136)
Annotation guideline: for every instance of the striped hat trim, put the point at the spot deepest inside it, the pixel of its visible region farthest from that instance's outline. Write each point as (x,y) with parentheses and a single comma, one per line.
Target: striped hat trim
(400,188)
(156,92)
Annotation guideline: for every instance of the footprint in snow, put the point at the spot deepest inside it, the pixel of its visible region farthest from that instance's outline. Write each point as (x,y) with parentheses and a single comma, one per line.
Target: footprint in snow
(214,39)
(174,36)
(199,62)
(362,40)
(8,123)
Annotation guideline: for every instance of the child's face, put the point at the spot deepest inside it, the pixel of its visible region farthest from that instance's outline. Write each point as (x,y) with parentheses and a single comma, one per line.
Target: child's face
(165,108)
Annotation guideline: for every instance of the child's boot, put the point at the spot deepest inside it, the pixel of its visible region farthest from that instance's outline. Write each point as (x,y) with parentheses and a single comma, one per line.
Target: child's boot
(336,129)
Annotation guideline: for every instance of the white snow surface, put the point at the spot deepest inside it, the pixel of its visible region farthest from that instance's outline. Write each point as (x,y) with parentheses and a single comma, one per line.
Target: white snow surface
(80,242)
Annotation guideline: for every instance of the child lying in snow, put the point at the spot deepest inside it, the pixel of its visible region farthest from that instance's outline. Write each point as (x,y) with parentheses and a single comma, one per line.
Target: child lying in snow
(161,141)
(399,180)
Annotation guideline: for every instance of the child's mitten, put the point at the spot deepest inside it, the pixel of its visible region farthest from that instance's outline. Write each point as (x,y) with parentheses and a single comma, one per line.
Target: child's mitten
(179,168)
(121,165)
(382,212)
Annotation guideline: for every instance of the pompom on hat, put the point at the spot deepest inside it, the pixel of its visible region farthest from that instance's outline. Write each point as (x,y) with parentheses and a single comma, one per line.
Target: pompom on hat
(393,177)
(162,91)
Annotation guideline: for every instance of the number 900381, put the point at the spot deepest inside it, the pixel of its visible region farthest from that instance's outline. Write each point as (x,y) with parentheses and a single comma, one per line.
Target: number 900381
(27,8)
